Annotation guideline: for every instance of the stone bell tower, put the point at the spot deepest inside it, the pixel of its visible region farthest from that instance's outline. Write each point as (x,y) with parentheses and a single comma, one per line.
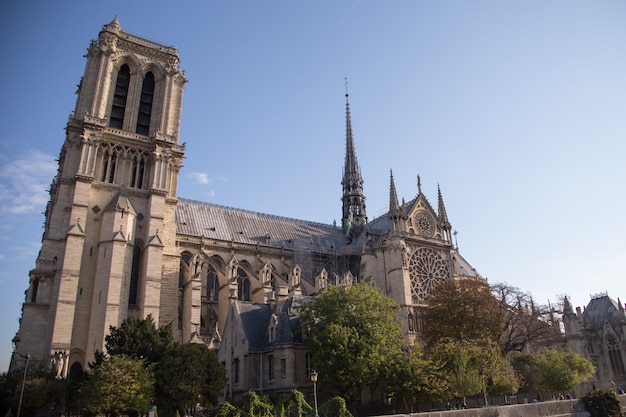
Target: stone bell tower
(108,248)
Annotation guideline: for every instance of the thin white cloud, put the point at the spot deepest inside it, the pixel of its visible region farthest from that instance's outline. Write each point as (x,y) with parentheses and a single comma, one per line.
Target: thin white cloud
(24,182)
(199,177)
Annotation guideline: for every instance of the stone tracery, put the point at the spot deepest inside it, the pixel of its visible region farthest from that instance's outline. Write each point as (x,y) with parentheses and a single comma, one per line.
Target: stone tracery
(427,269)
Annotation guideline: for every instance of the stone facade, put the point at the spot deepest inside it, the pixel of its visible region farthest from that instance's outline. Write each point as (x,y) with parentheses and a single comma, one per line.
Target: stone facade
(599,333)
(119,243)
(109,238)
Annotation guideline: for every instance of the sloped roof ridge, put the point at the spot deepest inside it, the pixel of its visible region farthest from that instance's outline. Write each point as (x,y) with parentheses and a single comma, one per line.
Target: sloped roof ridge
(408,204)
(206,203)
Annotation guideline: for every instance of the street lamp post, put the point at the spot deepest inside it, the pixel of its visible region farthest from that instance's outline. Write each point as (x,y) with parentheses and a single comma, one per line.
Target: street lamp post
(19,406)
(314,380)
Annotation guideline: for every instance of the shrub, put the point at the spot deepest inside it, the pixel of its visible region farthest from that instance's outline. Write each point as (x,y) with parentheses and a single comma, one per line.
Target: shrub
(603,404)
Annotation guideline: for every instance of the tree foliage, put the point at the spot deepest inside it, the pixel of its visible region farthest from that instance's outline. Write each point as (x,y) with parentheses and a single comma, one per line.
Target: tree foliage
(470,368)
(120,384)
(253,405)
(295,405)
(553,370)
(603,404)
(139,338)
(354,333)
(188,374)
(335,407)
(462,310)
(526,325)
(411,377)
(41,391)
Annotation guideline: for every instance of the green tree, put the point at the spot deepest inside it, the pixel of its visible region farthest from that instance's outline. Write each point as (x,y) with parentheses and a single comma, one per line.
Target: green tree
(120,384)
(41,390)
(336,407)
(471,369)
(253,405)
(462,310)
(294,405)
(139,338)
(412,377)
(188,374)
(553,370)
(353,333)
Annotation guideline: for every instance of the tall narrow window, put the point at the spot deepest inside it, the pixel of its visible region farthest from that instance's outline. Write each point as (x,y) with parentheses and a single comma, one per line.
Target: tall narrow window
(243,285)
(145,105)
(236,370)
(212,284)
(134,276)
(615,356)
(138,167)
(270,367)
(119,98)
(33,291)
(109,162)
(283,368)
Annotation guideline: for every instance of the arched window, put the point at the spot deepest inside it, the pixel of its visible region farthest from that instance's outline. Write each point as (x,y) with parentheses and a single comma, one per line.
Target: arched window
(145,105)
(212,284)
(615,356)
(109,162)
(137,170)
(134,276)
(243,285)
(185,258)
(119,98)
(76,371)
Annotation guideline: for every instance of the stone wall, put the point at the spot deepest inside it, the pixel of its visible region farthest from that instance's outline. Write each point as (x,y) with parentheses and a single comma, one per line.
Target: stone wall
(565,408)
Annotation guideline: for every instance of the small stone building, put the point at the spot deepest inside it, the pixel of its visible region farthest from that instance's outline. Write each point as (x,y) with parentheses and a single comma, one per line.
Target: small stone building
(599,333)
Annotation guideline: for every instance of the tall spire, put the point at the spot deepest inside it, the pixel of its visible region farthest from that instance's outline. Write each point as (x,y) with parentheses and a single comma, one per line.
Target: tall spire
(354,216)
(394,207)
(443,216)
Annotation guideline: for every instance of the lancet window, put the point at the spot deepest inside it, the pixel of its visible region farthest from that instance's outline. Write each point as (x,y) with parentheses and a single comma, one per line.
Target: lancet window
(145,105)
(118,108)
(125,165)
(109,164)
(615,356)
(243,285)
(134,276)
(212,284)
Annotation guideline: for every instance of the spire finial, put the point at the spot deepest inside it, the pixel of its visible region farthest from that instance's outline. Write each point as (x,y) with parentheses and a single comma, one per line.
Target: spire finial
(345,79)
(419,184)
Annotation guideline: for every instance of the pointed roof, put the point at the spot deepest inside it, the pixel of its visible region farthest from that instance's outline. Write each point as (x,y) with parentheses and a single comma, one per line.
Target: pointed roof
(114,26)
(351,167)
(353,216)
(441,210)
(121,203)
(394,207)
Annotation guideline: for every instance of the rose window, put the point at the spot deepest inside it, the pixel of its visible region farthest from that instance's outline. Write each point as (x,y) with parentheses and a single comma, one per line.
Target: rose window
(427,269)
(424,224)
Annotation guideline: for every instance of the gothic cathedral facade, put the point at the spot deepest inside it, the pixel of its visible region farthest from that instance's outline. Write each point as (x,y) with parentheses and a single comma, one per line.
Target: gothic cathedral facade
(119,243)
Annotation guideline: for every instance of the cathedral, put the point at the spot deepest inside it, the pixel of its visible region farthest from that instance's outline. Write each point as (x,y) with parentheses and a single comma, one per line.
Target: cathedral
(119,243)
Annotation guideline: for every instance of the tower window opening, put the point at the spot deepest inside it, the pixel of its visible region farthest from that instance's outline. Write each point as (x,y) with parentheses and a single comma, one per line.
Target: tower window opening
(35,288)
(145,105)
(118,108)
(109,162)
(134,276)
(137,171)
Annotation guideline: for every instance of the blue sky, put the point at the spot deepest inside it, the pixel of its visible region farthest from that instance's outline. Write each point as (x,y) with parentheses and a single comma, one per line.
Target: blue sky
(516,109)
